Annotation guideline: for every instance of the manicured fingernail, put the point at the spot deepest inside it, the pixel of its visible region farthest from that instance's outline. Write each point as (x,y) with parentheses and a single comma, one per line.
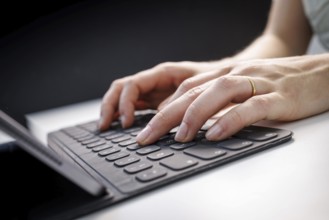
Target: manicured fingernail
(143,135)
(214,132)
(100,123)
(123,120)
(182,132)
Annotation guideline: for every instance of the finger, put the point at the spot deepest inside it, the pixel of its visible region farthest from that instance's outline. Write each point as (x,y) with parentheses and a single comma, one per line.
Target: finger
(128,99)
(267,106)
(133,91)
(169,117)
(194,81)
(109,105)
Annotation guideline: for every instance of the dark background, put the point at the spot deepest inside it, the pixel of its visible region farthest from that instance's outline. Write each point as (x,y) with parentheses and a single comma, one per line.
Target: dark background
(54,53)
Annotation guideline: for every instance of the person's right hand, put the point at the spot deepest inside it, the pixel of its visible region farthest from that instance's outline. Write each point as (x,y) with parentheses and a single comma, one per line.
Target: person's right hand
(146,90)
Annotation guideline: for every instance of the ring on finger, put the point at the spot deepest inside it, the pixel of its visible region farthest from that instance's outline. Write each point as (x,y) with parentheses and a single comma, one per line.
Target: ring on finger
(253,87)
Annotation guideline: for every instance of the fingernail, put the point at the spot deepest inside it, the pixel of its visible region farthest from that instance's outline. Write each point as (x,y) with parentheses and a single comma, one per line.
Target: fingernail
(182,132)
(123,120)
(214,132)
(144,134)
(100,123)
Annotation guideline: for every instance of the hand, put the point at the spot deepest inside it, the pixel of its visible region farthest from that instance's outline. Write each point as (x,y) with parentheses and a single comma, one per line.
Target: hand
(146,89)
(286,89)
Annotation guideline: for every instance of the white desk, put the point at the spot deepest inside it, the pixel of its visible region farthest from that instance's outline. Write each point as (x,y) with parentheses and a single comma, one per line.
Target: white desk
(290,181)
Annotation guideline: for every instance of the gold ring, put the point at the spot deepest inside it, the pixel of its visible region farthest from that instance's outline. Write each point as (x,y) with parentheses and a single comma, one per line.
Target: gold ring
(253,87)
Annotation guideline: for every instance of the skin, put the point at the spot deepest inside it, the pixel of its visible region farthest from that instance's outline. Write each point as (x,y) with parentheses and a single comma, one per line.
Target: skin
(289,85)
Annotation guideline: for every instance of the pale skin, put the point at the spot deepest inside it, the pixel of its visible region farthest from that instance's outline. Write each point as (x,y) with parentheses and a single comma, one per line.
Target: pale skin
(289,85)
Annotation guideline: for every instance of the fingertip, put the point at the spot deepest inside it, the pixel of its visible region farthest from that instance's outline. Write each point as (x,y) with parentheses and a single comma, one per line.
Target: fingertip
(126,122)
(182,132)
(106,117)
(143,137)
(101,125)
(103,117)
(127,117)
(104,122)
(214,133)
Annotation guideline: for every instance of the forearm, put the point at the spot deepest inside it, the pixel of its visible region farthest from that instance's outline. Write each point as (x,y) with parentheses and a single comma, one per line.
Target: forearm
(265,46)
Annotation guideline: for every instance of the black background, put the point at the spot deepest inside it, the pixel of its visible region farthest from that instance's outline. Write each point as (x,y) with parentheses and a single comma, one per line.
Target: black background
(54,53)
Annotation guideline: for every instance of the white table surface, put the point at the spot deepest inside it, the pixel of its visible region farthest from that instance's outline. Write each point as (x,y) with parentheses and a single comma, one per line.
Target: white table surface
(290,181)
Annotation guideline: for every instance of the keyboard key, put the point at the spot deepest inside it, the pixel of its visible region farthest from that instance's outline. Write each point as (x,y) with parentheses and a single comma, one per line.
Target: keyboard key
(254,134)
(166,141)
(126,161)
(113,136)
(132,130)
(235,144)
(87,137)
(150,175)
(179,162)
(106,133)
(82,135)
(160,155)
(181,146)
(117,156)
(127,143)
(102,147)
(116,125)
(200,135)
(95,144)
(148,149)
(121,139)
(109,151)
(134,147)
(135,133)
(205,152)
(135,168)
(89,141)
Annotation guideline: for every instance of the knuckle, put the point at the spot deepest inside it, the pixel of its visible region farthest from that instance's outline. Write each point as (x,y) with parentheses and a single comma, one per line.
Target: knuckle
(117,83)
(161,116)
(260,103)
(186,85)
(165,67)
(237,119)
(243,69)
(193,93)
(160,119)
(226,82)
(185,63)
(128,82)
(193,110)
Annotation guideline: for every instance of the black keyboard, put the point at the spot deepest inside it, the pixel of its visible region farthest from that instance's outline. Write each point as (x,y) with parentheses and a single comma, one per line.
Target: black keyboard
(116,159)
